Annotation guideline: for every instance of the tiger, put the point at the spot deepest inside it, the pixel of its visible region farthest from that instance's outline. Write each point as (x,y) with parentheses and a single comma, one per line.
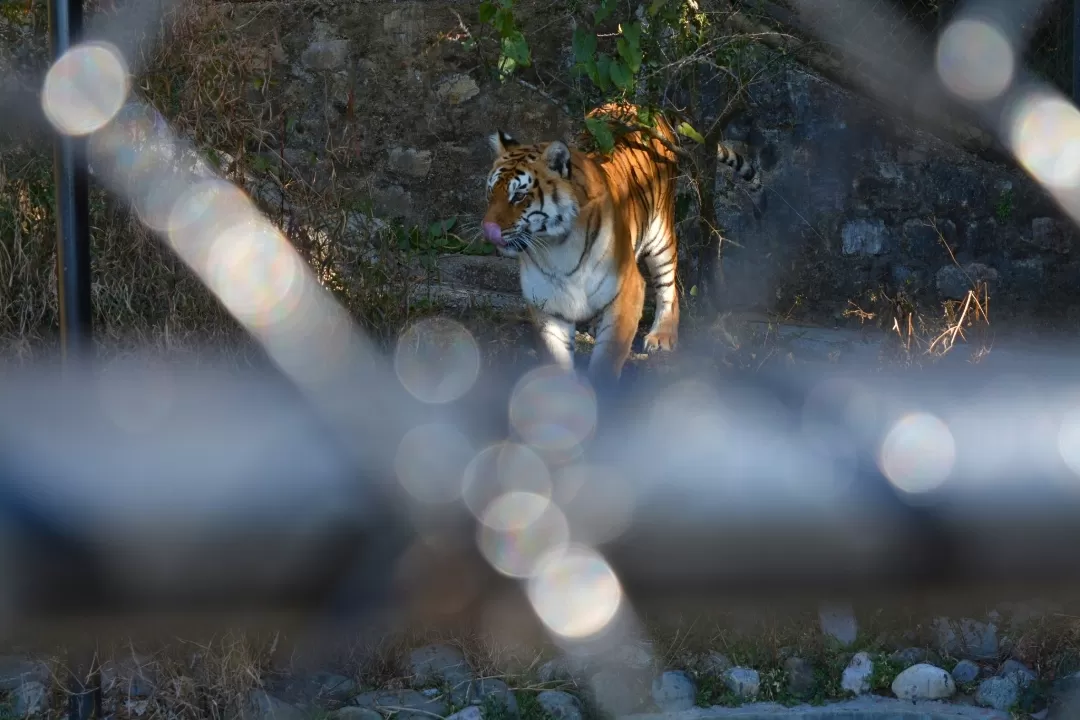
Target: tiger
(579,222)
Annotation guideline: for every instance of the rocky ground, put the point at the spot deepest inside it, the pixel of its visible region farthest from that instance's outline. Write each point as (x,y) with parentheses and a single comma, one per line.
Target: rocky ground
(977,669)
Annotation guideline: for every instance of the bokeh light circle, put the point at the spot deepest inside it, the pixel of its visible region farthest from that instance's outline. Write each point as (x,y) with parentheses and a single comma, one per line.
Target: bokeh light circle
(918,453)
(501,468)
(554,411)
(575,593)
(255,272)
(975,60)
(518,529)
(85,88)
(430,461)
(1045,135)
(437,360)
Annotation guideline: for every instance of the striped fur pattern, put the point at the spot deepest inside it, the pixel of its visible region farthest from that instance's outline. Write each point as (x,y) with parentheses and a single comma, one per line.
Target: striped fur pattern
(579,223)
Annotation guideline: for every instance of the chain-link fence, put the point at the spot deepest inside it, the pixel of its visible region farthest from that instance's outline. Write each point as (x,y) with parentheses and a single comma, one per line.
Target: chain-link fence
(1049,51)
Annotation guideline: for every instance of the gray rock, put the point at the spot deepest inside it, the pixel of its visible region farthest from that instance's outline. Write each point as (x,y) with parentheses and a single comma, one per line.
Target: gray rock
(913,656)
(355,713)
(744,682)
(485,272)
(954,282)
(923,682)
(634,655)
(864,237)
(487,690)
(965,672)
(560,705)
(433,664)
(264,706)
(673,691)
(1047,234)
(401,702)
(410,162)
(967,638)
(856,676)
(16,670)
(324,685)
(561,668)
(1021,673)
(838,622)
(715,664)
(921,238)
(470,713)
(616,691)
(1000,693)
(30,698)
(392,201)
(457,89)
(800,676)
(326,54)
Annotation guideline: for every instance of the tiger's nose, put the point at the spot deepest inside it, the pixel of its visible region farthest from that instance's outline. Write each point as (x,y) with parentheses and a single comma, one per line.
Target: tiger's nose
(493,233)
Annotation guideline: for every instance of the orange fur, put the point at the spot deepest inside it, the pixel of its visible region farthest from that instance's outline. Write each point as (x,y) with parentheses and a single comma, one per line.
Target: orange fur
(580,222)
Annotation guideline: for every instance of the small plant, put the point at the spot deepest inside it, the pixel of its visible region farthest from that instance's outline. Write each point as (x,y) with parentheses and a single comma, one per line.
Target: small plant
(1004,207)
(513,47)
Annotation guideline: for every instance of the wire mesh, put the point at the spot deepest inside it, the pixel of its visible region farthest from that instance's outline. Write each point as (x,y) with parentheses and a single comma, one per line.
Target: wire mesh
(1049,53)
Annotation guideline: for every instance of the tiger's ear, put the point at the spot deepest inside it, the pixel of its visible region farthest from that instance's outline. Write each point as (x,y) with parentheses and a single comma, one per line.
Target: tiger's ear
(557,156)
(501,142)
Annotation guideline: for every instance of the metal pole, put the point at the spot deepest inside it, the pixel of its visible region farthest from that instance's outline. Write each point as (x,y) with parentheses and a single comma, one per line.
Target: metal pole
(72,205)
(1076,51)
(71,175)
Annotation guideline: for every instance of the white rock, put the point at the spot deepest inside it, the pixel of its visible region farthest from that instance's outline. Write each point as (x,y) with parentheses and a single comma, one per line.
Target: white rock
(744,682)
(838,622)
(923,682)
(856,678)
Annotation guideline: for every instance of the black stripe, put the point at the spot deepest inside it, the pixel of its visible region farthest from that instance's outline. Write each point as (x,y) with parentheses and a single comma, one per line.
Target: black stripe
(590,237)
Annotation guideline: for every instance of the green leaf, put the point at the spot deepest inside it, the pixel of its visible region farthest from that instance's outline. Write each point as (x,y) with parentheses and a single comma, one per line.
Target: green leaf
(630,54)
(603,71)
(601,133)
(515,47)
(504,22)
(621,75)
(645,116)
(604,11)
(693,291)
(656,6)
(487,11)
(687,130)
(629,46)
(584,45)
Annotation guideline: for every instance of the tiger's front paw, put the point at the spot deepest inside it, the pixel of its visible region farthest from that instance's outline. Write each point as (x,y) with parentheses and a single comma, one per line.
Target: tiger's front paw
(661,340)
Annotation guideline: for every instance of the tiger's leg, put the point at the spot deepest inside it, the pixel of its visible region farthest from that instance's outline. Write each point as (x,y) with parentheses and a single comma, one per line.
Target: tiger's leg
(661,258)
(556,338)
(617,327)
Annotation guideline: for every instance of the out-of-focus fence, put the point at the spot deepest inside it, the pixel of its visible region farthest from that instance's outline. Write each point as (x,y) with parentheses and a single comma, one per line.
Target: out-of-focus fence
(1049,52)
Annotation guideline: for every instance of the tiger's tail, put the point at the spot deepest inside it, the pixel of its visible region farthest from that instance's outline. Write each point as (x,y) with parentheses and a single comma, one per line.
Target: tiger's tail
(739,163)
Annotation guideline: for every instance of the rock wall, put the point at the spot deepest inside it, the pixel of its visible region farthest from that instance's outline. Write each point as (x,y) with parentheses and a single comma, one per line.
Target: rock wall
(852,203)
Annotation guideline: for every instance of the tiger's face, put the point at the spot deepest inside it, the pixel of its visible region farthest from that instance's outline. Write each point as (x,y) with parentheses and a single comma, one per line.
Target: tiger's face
(531,202)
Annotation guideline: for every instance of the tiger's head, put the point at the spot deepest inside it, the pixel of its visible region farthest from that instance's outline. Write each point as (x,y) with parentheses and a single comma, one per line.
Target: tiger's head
(531,202)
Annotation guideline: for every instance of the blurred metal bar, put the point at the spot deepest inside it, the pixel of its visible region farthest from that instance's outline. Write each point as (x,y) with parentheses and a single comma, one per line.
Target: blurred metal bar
(71,177)
(72,204)
(1076,51)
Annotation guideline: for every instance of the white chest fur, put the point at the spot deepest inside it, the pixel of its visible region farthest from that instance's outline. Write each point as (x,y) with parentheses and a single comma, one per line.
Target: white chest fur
(568,283)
